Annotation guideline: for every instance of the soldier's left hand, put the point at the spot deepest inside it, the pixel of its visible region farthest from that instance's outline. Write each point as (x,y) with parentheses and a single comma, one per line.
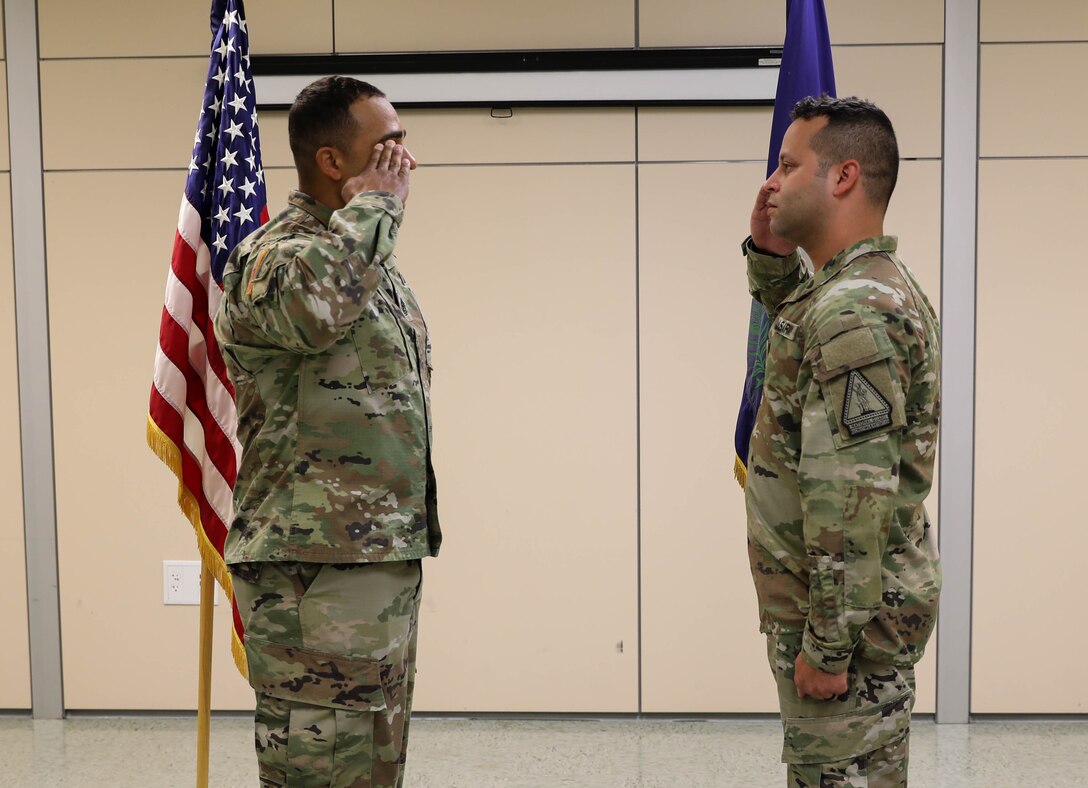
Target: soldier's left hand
(815,683)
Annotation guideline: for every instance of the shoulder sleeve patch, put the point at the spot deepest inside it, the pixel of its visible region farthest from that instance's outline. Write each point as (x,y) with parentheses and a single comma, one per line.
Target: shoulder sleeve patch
(864,407)
(863,402)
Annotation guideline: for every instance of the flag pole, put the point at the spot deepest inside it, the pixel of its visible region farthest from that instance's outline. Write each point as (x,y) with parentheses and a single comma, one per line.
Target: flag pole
(203,710)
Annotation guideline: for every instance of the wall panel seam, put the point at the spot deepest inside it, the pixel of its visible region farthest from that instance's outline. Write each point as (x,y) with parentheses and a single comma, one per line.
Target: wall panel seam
(638,415)
(886,44)
(1051,157)
(1043,42)
(122,58)
(332,24)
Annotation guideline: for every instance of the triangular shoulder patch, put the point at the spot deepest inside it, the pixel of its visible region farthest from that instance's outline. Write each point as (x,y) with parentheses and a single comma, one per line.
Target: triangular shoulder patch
(864,409)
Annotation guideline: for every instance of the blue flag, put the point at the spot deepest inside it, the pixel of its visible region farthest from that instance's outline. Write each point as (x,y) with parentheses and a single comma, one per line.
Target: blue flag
(806,71)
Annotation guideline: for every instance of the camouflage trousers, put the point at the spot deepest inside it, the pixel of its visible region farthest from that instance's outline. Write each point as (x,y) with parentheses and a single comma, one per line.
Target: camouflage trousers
(859,739)
(332,651)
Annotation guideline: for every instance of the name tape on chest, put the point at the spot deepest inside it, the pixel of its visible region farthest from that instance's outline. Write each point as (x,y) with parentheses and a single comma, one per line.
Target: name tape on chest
(785,328)
(864,409)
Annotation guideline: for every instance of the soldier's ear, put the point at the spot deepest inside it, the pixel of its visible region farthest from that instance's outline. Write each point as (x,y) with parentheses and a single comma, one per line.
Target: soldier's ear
(844,177)
(328,162)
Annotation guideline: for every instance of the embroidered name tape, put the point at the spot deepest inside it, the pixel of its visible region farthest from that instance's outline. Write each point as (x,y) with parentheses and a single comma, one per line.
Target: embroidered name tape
(785,328)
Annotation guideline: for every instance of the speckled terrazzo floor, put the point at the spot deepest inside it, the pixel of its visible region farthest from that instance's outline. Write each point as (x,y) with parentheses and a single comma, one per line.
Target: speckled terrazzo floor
(156,752)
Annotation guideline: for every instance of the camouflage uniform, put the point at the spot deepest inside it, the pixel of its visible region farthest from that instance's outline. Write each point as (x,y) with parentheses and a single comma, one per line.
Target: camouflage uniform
(843,557)
(335,501)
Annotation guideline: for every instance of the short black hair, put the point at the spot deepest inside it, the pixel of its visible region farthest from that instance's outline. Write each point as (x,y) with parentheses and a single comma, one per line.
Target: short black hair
(856,129)
(321,115)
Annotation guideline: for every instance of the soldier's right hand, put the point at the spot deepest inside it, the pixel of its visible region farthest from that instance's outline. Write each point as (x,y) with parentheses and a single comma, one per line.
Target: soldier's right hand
(760,226)
(387,171)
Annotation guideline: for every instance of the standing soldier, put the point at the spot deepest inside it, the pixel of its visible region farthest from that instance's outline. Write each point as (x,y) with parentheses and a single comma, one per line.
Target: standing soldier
(335,501)
(842,553)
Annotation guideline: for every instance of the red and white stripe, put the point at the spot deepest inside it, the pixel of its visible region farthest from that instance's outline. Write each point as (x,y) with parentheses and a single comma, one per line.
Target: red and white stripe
(192,400)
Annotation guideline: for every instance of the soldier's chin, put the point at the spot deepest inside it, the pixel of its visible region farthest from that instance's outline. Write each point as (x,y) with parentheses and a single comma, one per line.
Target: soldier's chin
(781,231)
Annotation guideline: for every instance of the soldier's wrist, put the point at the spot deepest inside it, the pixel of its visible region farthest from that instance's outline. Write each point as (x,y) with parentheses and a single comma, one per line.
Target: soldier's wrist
(748,246)
(823,658)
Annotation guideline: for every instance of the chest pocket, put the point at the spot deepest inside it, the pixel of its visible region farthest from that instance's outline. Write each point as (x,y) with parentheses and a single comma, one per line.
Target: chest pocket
(382,345)
(858,381)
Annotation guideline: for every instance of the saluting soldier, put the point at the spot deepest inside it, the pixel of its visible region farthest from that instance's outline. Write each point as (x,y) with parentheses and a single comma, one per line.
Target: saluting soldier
(335,500)
(842,553)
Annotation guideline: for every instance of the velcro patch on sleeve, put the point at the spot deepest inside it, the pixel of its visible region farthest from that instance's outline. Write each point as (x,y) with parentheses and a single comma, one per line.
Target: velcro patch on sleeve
(855,348)
(848,349)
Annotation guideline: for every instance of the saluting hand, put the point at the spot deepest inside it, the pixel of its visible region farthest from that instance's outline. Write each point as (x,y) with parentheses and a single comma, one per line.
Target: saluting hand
(386,171)
(762,236)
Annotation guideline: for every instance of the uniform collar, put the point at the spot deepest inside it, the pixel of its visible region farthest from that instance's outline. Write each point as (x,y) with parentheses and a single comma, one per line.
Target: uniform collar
(305,202)
(842,261)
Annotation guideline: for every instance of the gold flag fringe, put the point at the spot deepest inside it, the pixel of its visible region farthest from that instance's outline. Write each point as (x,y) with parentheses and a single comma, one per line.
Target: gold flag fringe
(740,472)
(167,451)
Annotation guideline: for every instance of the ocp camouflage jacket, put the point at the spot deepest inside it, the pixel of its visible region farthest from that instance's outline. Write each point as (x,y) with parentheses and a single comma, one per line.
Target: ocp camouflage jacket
(842,456)
(330,359)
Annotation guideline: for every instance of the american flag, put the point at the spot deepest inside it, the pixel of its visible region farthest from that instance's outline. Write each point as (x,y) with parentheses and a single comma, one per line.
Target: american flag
(191,420)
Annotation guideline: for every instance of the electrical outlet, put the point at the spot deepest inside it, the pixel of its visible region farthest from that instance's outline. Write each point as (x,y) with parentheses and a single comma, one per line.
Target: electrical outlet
(181,583)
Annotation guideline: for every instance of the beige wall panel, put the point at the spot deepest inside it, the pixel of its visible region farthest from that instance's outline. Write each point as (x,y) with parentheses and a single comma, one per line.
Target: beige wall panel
(287,27)
(531,305)
(81,125)
(111,28)
(905,82)
(1044,20)
(275,149)
(117,519)
(679,23)
(885,21)
(472,136)
(925,672)
(422,25)
(1029,508)
(278,184)
(914,215)
(15,656)
(1032,98)
(702,651)
(119,28)
(704,133)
